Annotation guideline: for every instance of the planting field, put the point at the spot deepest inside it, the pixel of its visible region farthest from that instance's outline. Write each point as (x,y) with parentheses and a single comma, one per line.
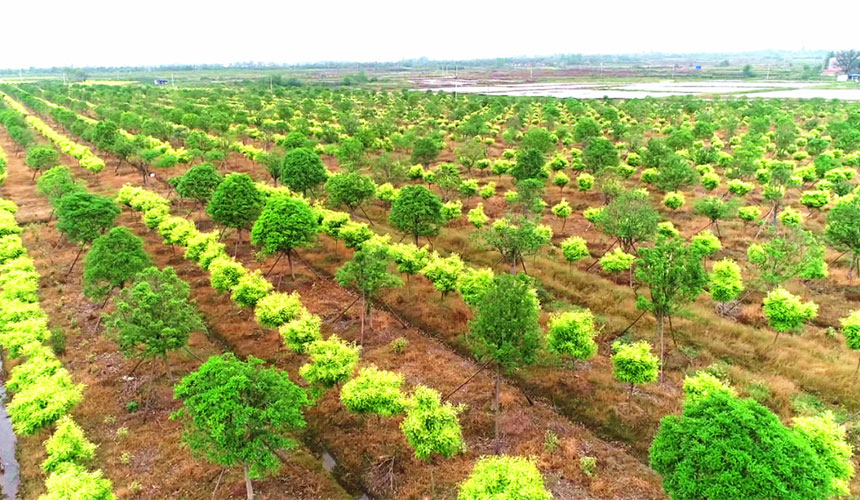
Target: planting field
(311,292)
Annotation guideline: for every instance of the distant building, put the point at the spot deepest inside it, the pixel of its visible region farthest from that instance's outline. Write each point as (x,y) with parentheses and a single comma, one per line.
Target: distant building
(854,77)
(832,68)
(161,81)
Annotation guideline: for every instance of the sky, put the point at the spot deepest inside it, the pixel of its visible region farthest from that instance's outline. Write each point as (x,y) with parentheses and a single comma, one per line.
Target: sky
(155,32)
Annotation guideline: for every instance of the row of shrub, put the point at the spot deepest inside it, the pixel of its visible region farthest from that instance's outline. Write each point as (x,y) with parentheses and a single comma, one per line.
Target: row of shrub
(44,393)
(430,426)
(87,159)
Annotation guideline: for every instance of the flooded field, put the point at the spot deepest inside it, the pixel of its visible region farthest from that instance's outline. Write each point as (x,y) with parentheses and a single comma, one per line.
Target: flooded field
(586,90)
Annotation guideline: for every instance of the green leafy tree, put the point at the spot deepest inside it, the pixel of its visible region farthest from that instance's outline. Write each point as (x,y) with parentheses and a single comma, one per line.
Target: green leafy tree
(629,218)
(505,331)
(634,363)
(56,183)
(827,440)
(41,158)
(236,203)
(73,481)
(572,334)
(675,173)
(504,477)
(153,315)
(374,391)
(706,452)
(284,225)
(82,217)
(431,426)
(530,165)
(674,274)
(368,273)
(574,249)
(851,330)
(725,281)
(785,312)
(600,153)
(513,237)
(586,128)
(67,445)
(302,170)
(795,253)
(715,209)
(114,259)
(240,413)
(199,182)
(538,138)
(332,362)
(417,212)
(351,189)
(425,150)
(843,229)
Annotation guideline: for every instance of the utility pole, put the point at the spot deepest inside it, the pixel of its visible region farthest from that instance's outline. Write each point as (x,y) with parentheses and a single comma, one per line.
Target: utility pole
(768,72)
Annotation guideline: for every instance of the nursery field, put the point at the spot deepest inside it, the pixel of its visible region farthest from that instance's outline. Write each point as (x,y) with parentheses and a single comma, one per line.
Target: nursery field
(304,292)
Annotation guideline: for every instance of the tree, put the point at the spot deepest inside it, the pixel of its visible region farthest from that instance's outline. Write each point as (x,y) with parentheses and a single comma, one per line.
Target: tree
(374,391)
(236,203)
(796,253)
(285,224)
(351,189)
(504,477)
(302,170)
(600,153)
(827,440)
(848,60)
(572,334)
(785,312)
(725,281)
(67,445)
(332,362)
(529,165)
(514,237)
(843,229)
(574,249)
(368,273)
(586,128)
(505,331)
(82,217)
(715,209)
(114,259)
(634,363)
(240,413)
(199,182)
(56,183)
(851,330)
(538,138)
(73,481)
(425,150)
(153,315)
(675,173)
(629,218)
(431,426)
(675,277)
(708,450)
(41,158)
(417,212)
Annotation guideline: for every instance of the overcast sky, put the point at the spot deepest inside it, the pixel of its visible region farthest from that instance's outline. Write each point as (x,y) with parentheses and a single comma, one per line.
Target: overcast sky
(154,32)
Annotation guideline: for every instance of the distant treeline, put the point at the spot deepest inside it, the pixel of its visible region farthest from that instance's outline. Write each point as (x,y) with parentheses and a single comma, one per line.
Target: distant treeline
(426,63)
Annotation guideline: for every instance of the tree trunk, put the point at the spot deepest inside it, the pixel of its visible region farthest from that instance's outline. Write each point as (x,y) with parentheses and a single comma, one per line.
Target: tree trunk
(290,260)
(238,240)
(248,488)
(81,249)
(662,346)
(497,409)
(281,254)
(363,312)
